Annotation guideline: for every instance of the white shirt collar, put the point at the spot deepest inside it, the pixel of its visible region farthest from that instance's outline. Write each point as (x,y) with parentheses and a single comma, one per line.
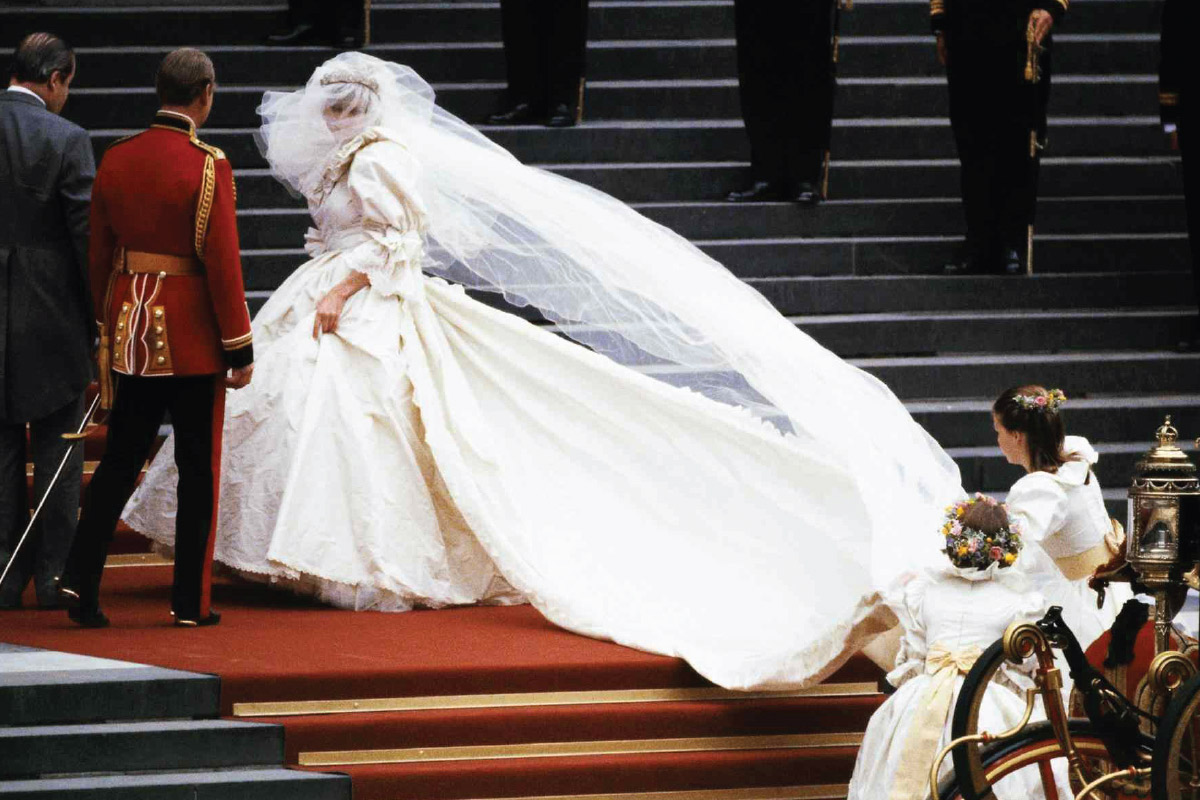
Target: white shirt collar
(28,92)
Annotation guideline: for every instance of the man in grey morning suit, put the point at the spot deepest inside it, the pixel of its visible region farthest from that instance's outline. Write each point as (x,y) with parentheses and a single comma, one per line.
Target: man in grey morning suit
(46,320)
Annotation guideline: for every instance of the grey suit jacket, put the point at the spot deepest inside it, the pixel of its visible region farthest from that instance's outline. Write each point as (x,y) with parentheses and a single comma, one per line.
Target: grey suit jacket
(46,319)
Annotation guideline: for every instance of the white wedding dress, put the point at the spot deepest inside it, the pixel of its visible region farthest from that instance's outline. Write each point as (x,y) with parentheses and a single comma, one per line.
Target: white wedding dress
(435,451)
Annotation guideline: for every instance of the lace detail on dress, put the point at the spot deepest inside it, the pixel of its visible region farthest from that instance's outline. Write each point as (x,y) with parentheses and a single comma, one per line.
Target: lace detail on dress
(339,165)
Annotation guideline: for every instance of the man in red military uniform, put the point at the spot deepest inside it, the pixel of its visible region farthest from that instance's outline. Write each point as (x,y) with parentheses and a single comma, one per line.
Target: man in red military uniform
(167,279)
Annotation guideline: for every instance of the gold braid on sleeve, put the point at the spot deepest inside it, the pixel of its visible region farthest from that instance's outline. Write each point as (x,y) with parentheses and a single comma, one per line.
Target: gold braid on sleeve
(204,206)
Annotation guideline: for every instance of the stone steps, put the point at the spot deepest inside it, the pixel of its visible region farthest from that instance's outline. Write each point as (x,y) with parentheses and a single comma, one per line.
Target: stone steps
(479,22)
(667,99)
(175,745)
(270,228)
(81,727)
(641,182)
(907,138)
(612,60)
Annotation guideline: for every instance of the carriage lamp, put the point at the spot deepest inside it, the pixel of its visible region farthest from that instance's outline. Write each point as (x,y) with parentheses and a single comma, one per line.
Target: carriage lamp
(1163,545)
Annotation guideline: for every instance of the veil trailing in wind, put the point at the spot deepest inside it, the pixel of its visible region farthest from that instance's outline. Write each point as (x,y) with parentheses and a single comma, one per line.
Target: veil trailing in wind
(627,288)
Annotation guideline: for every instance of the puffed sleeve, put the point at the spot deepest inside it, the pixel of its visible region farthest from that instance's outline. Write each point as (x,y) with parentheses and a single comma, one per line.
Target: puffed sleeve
(382,179)
(907,601)
(1039,504)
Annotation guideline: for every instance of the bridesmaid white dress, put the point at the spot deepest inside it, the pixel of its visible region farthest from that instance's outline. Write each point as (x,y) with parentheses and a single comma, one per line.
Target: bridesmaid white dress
(949,616)
(1063,512)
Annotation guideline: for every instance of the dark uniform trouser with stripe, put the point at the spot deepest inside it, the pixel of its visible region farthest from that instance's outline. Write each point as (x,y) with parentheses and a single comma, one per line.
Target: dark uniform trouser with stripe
(545,50)
(785,84)
(197,408)
(992,110)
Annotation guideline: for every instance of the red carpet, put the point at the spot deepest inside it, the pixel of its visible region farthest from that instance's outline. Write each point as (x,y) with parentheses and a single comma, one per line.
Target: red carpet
(271,646)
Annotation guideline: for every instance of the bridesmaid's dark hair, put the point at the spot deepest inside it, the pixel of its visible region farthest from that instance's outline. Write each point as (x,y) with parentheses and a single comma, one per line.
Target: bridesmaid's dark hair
(1042,426)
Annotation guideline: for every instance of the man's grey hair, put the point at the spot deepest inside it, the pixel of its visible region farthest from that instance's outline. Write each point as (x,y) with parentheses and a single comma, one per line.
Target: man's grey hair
(40,55)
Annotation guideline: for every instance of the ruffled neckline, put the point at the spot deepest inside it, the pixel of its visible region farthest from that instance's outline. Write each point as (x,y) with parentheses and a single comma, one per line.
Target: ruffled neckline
(339,163)
(1010,576)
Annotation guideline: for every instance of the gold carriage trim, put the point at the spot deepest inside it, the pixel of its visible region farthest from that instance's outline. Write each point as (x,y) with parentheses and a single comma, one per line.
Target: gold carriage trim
(1064,4)
(937,7)
(237,341)
(1168,98)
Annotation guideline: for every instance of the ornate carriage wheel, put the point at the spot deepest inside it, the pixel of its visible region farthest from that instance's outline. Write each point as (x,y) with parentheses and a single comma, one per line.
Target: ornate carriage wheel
(1034,748)
(1175,770)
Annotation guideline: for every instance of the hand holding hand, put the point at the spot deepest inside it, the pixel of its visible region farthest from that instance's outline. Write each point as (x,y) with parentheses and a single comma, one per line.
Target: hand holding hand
(329,310)
(239,377)
(1040,22)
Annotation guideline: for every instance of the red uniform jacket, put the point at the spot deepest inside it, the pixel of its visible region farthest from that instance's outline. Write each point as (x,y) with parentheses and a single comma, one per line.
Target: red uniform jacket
(165,192)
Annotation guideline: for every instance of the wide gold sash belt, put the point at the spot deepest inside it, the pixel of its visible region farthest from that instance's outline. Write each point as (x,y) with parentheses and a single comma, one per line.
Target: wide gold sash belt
(138,263)
(920,746)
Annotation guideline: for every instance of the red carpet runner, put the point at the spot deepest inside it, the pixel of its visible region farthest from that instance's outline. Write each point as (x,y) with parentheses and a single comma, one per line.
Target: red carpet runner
(426,741)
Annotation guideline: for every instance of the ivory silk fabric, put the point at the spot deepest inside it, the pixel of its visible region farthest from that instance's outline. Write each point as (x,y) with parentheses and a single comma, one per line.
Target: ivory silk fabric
(435,451)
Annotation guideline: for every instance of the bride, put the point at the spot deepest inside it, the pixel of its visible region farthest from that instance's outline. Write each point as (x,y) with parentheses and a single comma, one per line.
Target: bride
(700,479)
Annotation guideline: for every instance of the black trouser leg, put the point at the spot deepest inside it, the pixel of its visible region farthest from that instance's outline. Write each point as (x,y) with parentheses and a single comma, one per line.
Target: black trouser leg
(785,82)
(519,27)
(55,528)
(132,427)
(564,50)
(14,512)
(197,414)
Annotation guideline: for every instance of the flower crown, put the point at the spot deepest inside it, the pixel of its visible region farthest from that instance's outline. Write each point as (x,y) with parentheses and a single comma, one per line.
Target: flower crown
(356,77)
(970,547)
(1050,401)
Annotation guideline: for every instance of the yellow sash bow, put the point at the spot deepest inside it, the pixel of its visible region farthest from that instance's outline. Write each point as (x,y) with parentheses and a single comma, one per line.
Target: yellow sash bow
(920,746)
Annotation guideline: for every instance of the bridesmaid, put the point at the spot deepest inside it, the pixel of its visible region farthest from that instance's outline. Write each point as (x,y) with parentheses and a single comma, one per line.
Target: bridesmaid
(1059,505)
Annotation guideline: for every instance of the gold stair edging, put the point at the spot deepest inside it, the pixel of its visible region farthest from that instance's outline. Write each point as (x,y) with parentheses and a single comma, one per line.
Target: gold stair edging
(833,791)
(603,697)
(138,560)
(417,755)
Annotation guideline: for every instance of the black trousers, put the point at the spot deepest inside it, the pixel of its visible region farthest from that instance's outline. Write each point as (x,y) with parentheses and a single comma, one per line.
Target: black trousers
(339,17)
(45,551)
(992,111)
(545,46)
(197,408)
(786,83)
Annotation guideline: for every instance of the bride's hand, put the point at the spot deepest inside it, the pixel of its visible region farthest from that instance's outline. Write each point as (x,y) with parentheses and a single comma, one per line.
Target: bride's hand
(329,309)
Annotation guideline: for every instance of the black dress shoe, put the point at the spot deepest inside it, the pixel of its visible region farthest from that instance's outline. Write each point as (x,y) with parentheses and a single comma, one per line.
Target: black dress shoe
(519,114)
(808,195)
(561,116)
(213,618)
(304,33)
(88,617)
(760,192)
(1012,263)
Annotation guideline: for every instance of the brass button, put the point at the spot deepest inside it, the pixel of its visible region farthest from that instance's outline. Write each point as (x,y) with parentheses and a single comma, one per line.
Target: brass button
(118,338)
(158,329)
(162,274)
(158,345)
(161,360)
(120,326)
(124,306)
(158,313)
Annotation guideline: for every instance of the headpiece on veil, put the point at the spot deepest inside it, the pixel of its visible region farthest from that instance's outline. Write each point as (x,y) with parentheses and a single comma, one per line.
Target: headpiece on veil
(629,289)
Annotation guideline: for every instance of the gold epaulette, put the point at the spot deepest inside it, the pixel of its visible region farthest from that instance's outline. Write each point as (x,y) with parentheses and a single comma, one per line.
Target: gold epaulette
(215,152)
